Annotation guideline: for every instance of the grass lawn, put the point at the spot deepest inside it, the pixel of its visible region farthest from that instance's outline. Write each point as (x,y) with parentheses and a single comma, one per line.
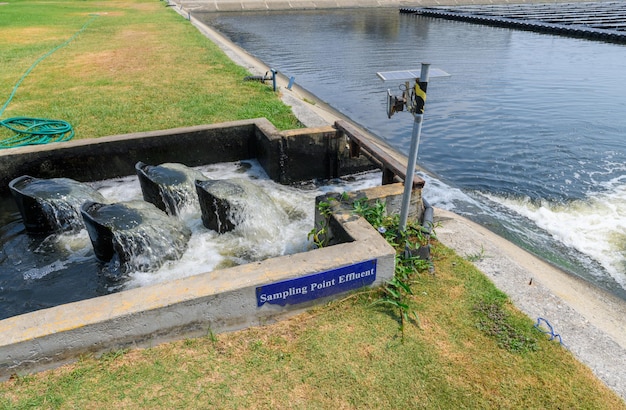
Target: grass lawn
(137,66)
(140,66)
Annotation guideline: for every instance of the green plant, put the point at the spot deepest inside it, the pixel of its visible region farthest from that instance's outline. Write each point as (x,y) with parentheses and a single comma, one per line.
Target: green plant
(375,214)
(476,256)
(496,322)
(397,292)
(412,237)
(320,234)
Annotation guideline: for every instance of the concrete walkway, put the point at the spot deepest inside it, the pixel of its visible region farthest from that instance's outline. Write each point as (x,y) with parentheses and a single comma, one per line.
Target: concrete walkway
(257,5)
(590,321)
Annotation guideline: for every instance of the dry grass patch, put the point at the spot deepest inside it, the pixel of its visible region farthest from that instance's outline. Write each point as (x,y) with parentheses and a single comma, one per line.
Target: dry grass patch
(128,53)
(31,35)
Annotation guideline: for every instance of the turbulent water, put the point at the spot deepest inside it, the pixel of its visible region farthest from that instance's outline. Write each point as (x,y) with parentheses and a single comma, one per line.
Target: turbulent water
(37,273)
(526,136)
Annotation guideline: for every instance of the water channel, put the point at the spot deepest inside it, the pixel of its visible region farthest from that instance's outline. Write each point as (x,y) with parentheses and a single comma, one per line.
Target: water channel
(42,271)
(526,137)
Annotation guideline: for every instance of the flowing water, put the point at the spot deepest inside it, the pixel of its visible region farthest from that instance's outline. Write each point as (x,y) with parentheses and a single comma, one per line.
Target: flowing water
(525,137)
(38,272)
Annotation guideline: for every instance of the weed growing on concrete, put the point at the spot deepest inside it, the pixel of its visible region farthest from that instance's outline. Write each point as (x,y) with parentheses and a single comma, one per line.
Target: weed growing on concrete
(476,256)
(320,233)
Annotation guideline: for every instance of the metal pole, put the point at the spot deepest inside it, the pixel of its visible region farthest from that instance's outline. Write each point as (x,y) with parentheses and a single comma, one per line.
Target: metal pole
(274,79)
(410,170)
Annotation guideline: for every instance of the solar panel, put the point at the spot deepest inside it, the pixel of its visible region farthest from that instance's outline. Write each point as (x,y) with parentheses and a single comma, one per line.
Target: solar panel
(411,74)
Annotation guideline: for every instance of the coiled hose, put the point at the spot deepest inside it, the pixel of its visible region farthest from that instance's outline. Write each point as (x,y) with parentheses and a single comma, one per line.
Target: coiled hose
(32,131)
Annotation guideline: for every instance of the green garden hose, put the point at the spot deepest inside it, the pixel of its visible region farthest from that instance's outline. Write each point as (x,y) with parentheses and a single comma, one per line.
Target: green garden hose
(32,131)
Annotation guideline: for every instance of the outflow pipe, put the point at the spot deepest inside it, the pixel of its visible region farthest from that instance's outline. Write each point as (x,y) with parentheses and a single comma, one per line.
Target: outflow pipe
(264,78)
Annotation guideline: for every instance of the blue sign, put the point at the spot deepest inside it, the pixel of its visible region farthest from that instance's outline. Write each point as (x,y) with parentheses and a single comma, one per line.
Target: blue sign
(317,285)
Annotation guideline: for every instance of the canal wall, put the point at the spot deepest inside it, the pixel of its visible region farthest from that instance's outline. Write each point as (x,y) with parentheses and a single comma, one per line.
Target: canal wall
(267,5)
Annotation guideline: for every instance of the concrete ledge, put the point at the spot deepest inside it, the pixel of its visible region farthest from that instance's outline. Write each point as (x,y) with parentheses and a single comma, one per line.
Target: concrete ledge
(281,5)
(218,301)
(287,157)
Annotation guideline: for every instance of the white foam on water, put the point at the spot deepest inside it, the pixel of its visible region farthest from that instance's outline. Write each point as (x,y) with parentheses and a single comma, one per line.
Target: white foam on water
(120,189)
(594,229)
(70,247)
(444,196)
(40,272)
(202,255)
(281,230)
(595,226)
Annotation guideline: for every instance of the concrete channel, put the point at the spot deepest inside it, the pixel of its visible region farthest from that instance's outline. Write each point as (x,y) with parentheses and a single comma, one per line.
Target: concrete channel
(217,301)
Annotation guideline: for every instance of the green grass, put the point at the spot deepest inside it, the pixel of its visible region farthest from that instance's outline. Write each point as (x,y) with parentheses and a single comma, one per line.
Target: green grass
(139,66)
(143,67)
(345,355)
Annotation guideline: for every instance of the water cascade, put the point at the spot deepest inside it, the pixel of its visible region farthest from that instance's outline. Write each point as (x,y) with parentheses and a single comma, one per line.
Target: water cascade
(51,205)
(169,186)
(228,204)
(133,236)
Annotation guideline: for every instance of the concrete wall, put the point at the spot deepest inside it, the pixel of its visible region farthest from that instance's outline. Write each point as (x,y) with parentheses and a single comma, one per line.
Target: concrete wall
(287,156)
(114,156)
(303,154)
(208,6)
